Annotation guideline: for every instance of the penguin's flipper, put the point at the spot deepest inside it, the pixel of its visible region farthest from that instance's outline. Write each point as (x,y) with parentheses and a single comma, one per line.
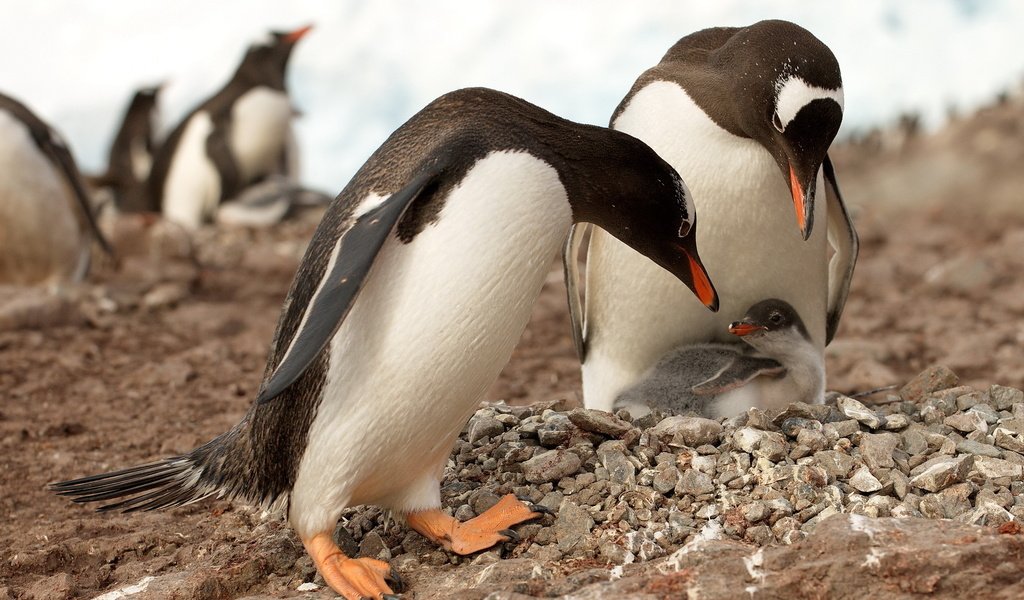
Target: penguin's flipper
(57,151)
(739,372)
(843,238)
(570,266)
(218,149)
(354,249)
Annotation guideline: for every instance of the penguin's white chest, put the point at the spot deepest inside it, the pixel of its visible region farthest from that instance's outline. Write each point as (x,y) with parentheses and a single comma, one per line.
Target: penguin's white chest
(747,237)
(40,235)
(260,123)
(436,322)
(193,185)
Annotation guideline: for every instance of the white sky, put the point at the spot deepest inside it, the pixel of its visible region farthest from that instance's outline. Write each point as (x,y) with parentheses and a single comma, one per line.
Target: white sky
(369,65)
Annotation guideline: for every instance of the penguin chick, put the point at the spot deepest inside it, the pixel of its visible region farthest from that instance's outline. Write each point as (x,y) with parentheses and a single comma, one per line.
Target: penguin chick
(237,137)
(46,219)
(779,365)
(411,296)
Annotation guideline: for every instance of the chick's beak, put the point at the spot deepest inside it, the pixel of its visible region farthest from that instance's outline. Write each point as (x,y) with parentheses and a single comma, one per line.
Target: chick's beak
(740,328)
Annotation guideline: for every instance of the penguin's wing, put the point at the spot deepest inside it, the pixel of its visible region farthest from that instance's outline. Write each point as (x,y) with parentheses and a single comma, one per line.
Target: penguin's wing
(843,238)
(51,144)
(354,251)
(740,371)
(570,266)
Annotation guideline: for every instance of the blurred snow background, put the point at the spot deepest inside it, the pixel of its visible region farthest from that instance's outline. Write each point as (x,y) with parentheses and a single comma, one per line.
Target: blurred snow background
(369,65)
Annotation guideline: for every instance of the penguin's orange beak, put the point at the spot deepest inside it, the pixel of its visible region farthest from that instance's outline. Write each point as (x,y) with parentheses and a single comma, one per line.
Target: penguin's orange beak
(798,201)
(741,329)
(297,35)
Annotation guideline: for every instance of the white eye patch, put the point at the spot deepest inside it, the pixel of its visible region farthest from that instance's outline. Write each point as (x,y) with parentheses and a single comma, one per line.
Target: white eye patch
(795,93)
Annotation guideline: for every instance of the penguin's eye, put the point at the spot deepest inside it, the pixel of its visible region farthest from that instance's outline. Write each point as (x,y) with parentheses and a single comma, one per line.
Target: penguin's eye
(775,318)
(777,122)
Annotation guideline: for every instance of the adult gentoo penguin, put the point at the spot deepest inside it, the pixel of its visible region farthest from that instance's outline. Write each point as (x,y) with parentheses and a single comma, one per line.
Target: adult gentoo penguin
(46,221)
(408,302)
(131,154)
(237,137)
(779,364)
(748,115)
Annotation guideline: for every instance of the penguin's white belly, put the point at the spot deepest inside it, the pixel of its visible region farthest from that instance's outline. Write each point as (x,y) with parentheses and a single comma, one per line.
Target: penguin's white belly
(436,322)
(260,131)
(41,240)
(192,188)
(747,237)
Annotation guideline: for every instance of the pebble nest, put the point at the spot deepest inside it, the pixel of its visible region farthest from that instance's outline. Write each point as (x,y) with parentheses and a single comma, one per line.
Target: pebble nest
(627,490)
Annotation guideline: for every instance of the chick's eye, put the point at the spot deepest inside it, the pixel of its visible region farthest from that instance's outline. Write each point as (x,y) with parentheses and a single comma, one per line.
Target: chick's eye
(775,318)
(777,122)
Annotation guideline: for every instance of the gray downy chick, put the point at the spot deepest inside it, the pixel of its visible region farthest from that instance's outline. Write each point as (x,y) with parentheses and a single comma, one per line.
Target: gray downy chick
(776,366)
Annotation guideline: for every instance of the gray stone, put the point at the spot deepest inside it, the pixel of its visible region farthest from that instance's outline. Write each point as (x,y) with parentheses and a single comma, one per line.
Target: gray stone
(979,449)
(766,444)
(896,422)
(876,449)
(837,464)
(1004,438)
(481,426)
(666,479)
(599,421)
(943,473)
(571,525)
(857,411)
(862,480)
(687,431)
(932,379)
(995,468)
(620,470)
(967,422)
(694,483)
(551,466)
(842,429)
(1004,397)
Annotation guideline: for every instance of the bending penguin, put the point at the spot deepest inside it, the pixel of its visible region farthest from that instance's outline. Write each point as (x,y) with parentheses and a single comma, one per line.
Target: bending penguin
(779,365)
(748,114)
(414,290)
(131,155)
(46,221)
(239,136)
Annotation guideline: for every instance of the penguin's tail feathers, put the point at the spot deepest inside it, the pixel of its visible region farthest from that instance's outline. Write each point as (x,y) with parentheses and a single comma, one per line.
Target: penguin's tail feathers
(170,482)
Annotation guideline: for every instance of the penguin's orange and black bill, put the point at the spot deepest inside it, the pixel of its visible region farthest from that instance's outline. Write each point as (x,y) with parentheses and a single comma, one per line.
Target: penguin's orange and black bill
(294,36)
(701,283)
(741,329)
(803,202)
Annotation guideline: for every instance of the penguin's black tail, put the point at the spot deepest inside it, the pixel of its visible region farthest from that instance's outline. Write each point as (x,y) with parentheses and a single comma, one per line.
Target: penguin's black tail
(170,482)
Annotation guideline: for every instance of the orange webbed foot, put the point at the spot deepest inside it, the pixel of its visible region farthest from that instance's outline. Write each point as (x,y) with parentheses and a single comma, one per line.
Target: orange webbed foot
(478,533)
(352,578)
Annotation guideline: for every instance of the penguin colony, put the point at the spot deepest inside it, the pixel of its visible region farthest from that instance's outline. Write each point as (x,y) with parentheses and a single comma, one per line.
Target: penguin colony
(422,273)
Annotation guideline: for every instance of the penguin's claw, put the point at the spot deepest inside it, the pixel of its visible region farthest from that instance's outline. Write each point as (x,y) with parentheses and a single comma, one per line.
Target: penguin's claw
(352,578)
(479,533)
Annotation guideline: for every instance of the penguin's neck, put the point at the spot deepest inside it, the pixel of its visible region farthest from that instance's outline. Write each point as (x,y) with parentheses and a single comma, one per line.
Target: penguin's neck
(804,364)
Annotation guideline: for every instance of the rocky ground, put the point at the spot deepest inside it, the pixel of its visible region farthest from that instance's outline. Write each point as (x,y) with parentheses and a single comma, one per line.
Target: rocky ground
(821,502)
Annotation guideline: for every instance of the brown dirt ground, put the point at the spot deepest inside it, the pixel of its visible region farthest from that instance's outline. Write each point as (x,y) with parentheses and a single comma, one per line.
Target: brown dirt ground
(124,384)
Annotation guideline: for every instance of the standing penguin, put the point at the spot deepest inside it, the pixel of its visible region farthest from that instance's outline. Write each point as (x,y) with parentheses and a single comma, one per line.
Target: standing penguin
(778,365)
(131,155)
(748,114)
(239,136)
(413,292)
(46,220)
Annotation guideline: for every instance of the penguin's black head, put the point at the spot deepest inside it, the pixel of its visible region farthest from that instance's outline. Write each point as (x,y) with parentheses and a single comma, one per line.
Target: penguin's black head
(633,194)
(789,95)
(769,317)
(265,62)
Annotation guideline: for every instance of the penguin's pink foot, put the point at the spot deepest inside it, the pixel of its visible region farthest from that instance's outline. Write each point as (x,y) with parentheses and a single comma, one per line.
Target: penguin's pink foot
(352,578)
(478,533)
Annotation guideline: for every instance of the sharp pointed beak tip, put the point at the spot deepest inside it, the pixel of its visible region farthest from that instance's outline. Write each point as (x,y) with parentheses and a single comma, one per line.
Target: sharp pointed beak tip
(298,34)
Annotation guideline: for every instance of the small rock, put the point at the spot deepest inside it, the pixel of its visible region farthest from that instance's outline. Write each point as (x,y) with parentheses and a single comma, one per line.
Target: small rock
(967,422)
(943,473)
(978,448)
(876,449)
(995,468)
(856,410)
(896,422)
(930,380)
(666,479)
(694,483)
(862,480)
(373,546)
(766,444)
(571,525)
(482,425)
(1004,438)
(687,431)
(599,421)
(551,466)
(1004,397)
